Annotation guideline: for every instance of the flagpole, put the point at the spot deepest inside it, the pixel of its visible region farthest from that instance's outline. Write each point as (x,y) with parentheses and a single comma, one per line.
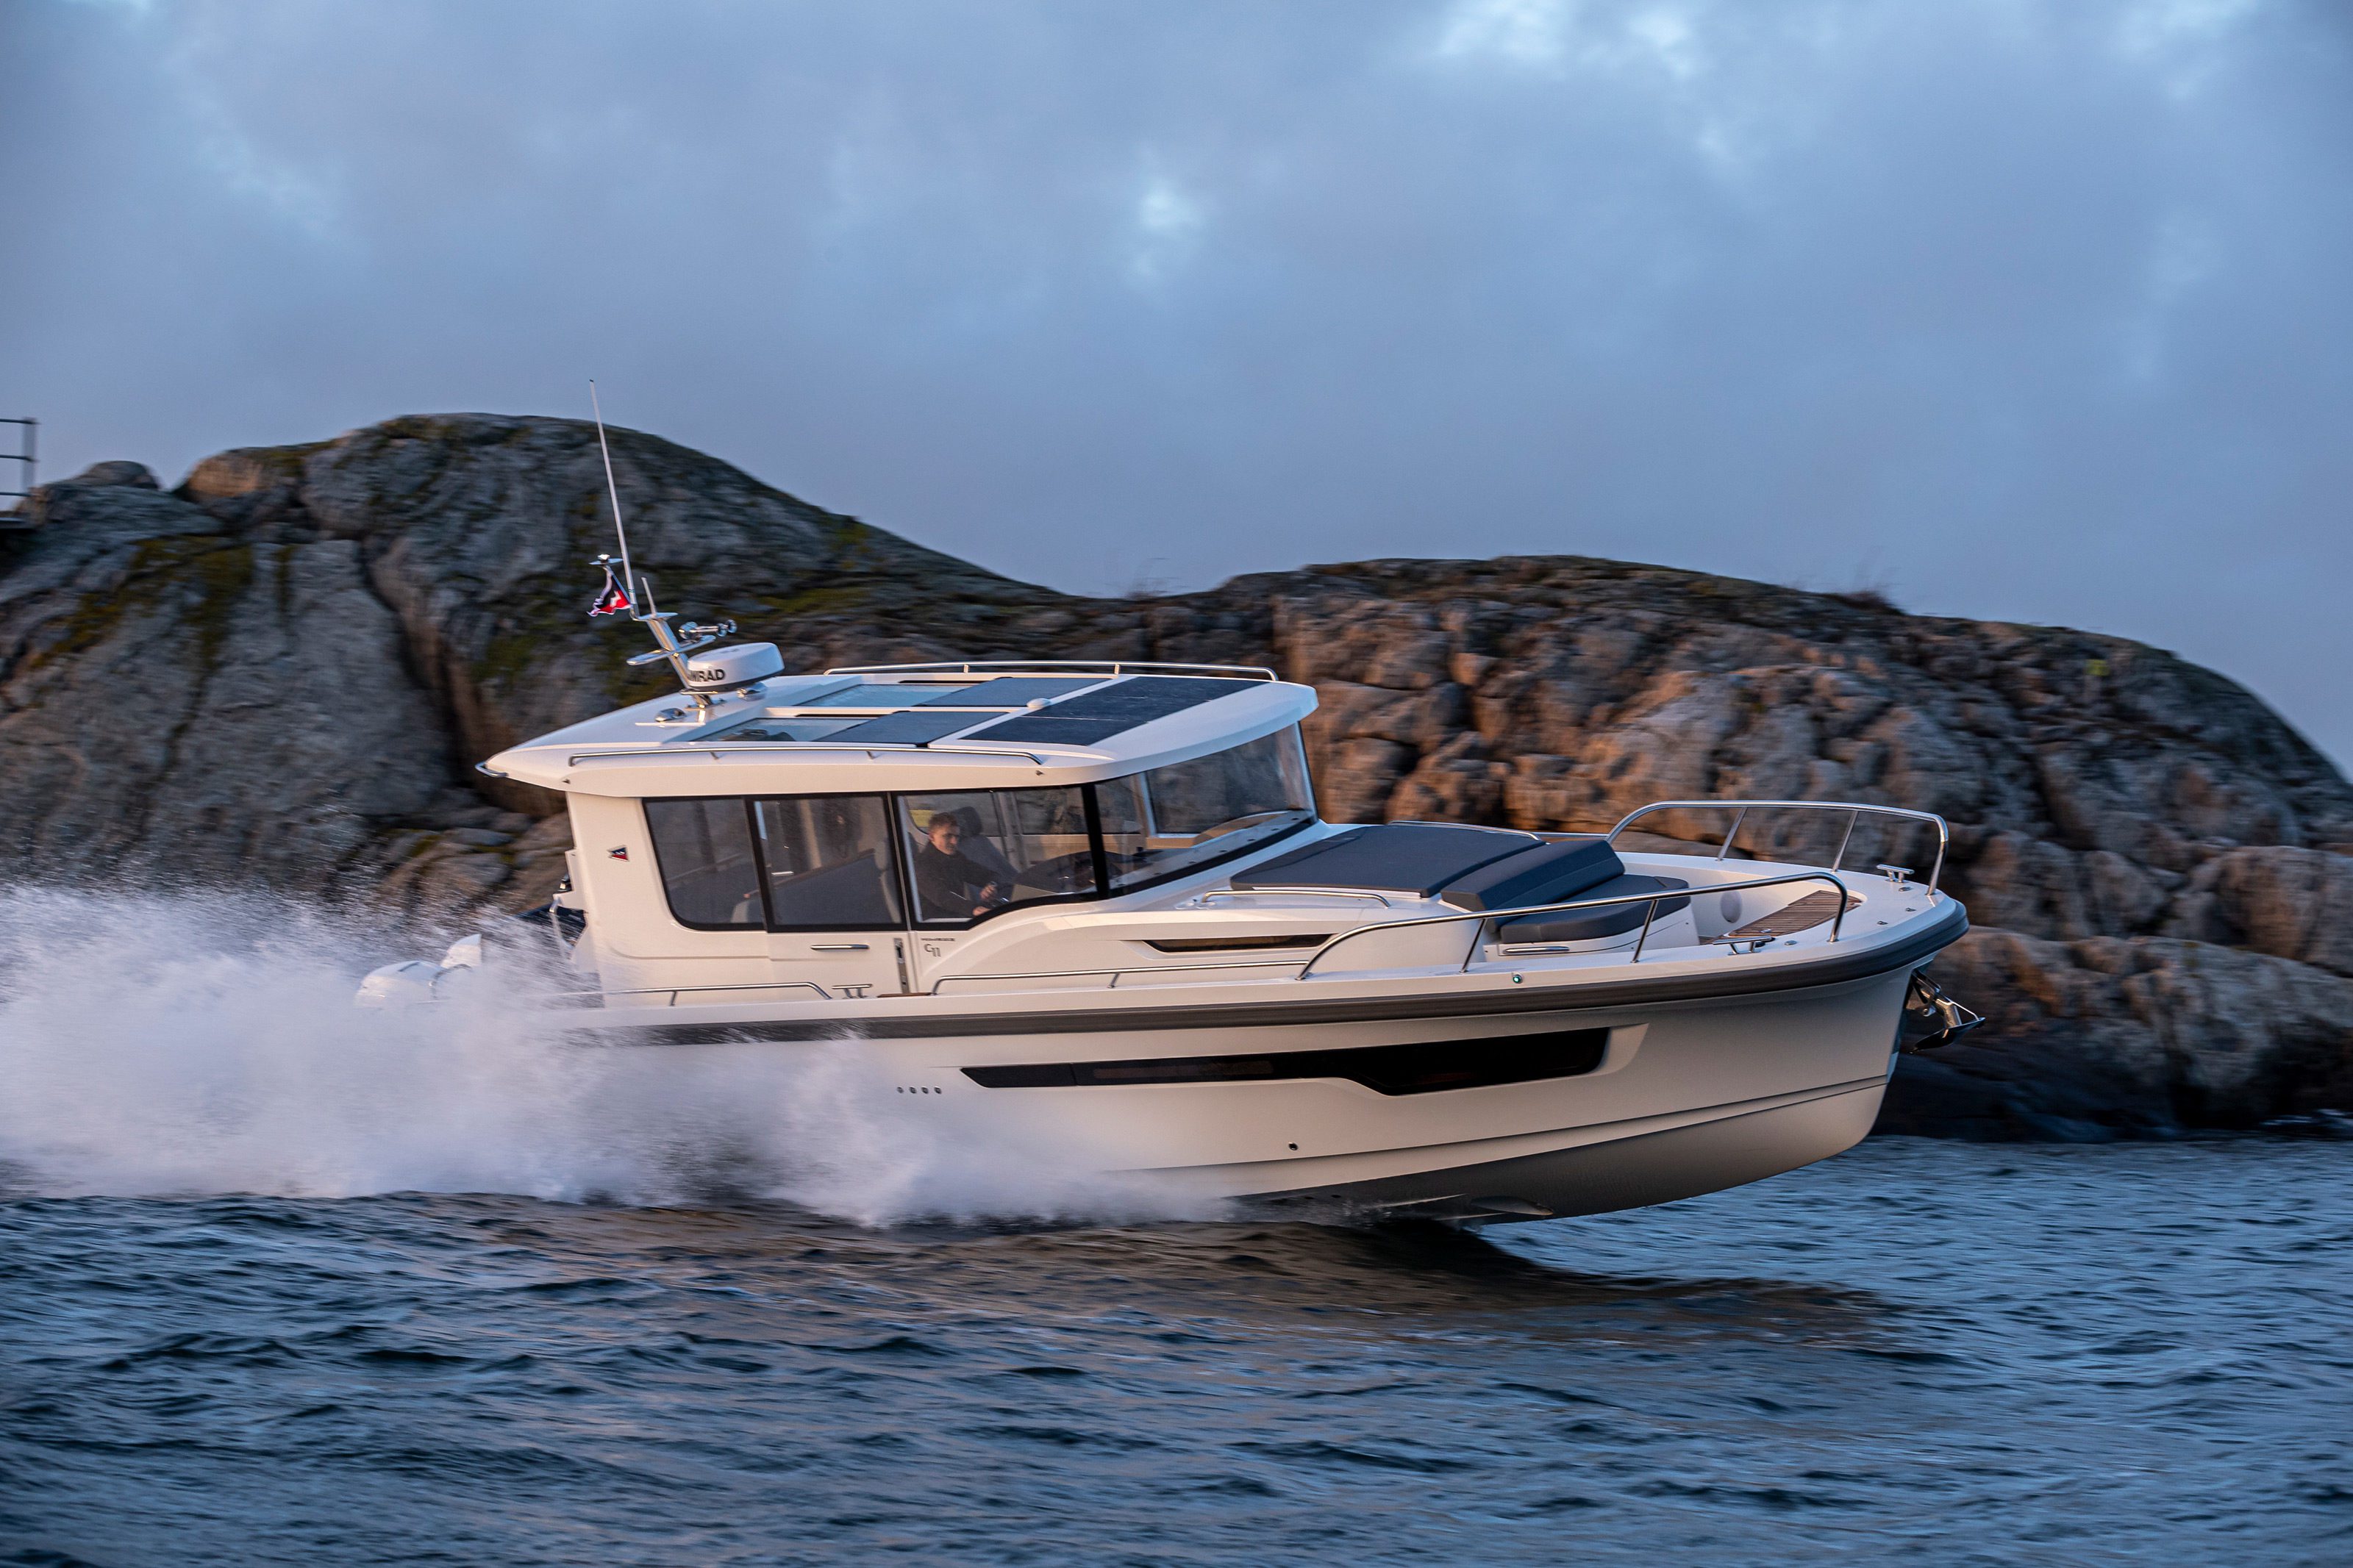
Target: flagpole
(629,577)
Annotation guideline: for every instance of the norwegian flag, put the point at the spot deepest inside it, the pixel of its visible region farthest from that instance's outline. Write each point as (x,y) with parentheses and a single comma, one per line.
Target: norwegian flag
(613,600)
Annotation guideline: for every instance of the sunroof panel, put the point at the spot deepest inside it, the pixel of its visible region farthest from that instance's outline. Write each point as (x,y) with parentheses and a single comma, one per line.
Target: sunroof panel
(914,726)
(1112,710)
(1010,691)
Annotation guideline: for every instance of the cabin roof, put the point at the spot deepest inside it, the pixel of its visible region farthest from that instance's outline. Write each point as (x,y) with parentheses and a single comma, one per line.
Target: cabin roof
(914,727)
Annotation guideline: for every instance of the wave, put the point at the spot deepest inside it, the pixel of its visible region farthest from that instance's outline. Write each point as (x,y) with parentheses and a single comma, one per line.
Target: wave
(206,1043)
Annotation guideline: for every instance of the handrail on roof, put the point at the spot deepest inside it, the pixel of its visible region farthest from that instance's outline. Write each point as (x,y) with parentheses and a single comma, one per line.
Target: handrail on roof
(1103,666)
(720,750)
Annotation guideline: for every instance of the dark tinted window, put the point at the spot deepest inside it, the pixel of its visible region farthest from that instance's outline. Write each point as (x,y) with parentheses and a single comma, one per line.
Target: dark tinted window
(829,859)
(704,850)
(1430,1069)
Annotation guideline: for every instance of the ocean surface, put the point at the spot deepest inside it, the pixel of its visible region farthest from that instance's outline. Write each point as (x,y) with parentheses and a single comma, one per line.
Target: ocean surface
(281,1284)
(1918,1353)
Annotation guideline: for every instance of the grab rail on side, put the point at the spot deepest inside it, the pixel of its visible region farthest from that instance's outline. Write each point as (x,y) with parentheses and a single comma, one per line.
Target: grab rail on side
(1649,915)
(1116,974)
(1741,808)
(1293,889)
(675,992)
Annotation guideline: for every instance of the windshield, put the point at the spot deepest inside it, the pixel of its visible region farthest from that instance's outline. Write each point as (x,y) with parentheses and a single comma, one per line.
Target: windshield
(1157,823)
(973,852)
(842,862)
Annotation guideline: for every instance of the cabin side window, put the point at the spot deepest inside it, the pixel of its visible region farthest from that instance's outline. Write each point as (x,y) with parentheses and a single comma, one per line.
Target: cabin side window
(827,858)
(974,852)
(704,850)
(1175,819)
(781,863)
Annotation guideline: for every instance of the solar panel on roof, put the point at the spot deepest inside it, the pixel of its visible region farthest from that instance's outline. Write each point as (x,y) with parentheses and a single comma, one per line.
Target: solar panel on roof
(911,726)
(884,694)
(785,730)
(1010,691)
(1109,711)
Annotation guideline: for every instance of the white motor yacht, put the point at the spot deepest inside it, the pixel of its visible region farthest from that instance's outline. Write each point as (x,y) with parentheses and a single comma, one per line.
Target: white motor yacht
(1089,907)
(1092,904)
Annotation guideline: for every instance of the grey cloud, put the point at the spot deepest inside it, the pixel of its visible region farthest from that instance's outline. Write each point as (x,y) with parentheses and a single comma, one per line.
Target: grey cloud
(2033,311)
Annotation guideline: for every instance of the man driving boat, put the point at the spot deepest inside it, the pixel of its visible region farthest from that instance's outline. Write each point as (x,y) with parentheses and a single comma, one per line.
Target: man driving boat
(950,882)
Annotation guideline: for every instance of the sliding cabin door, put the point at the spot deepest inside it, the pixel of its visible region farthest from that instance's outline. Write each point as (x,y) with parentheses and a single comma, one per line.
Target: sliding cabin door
(835,912)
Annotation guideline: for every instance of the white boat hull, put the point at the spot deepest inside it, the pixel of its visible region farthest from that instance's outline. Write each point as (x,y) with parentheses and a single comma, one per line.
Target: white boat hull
(1688,1097)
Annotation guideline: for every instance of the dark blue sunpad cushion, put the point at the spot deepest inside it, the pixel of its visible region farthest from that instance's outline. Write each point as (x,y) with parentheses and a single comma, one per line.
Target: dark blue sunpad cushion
(1611,920)
(1540,874)
(1415,858)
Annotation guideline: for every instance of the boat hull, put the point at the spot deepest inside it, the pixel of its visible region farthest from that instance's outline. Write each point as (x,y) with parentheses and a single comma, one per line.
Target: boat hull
(1651,1103)
(1624,1168)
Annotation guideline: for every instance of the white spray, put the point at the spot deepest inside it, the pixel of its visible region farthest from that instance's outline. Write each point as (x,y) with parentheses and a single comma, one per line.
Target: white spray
(195,1044)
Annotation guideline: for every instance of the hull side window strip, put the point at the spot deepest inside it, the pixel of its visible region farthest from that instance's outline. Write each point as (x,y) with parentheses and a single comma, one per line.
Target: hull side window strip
(1425,1068)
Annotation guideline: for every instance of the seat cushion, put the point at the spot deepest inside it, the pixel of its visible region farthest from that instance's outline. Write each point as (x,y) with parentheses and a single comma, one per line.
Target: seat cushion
(1586,925)
(1415,858)
(1540,874)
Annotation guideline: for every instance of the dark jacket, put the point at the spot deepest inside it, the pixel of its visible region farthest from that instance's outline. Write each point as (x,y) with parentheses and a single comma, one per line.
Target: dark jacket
(948,886)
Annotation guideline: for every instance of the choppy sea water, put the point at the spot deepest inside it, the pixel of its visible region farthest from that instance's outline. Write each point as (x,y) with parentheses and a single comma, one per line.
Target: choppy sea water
(284,1284)
(1916,1352)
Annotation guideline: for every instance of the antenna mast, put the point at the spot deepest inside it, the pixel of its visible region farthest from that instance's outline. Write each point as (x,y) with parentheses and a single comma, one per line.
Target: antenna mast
(669,645)
(628,578)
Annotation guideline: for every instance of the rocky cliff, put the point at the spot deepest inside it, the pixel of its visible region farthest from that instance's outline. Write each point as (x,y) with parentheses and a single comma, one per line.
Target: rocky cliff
(280,672)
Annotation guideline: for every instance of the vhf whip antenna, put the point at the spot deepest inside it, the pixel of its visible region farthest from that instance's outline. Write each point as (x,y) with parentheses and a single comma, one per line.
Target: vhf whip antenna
(628,578)
(638,598)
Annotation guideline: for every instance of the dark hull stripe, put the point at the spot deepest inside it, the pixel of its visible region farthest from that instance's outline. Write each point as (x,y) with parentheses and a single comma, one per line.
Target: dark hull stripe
(1834,969)
(1430,1069)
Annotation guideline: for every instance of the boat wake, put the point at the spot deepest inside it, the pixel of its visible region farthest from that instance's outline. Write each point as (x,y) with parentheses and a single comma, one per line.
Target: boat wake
(195,1044)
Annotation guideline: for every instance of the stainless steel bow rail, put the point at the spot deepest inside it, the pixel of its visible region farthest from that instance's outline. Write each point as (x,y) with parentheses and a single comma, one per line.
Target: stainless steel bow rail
(1307,966)
(1650,915)
(1855,814)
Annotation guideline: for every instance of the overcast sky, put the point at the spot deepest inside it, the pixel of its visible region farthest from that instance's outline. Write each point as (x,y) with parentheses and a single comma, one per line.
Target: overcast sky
(2035,312)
